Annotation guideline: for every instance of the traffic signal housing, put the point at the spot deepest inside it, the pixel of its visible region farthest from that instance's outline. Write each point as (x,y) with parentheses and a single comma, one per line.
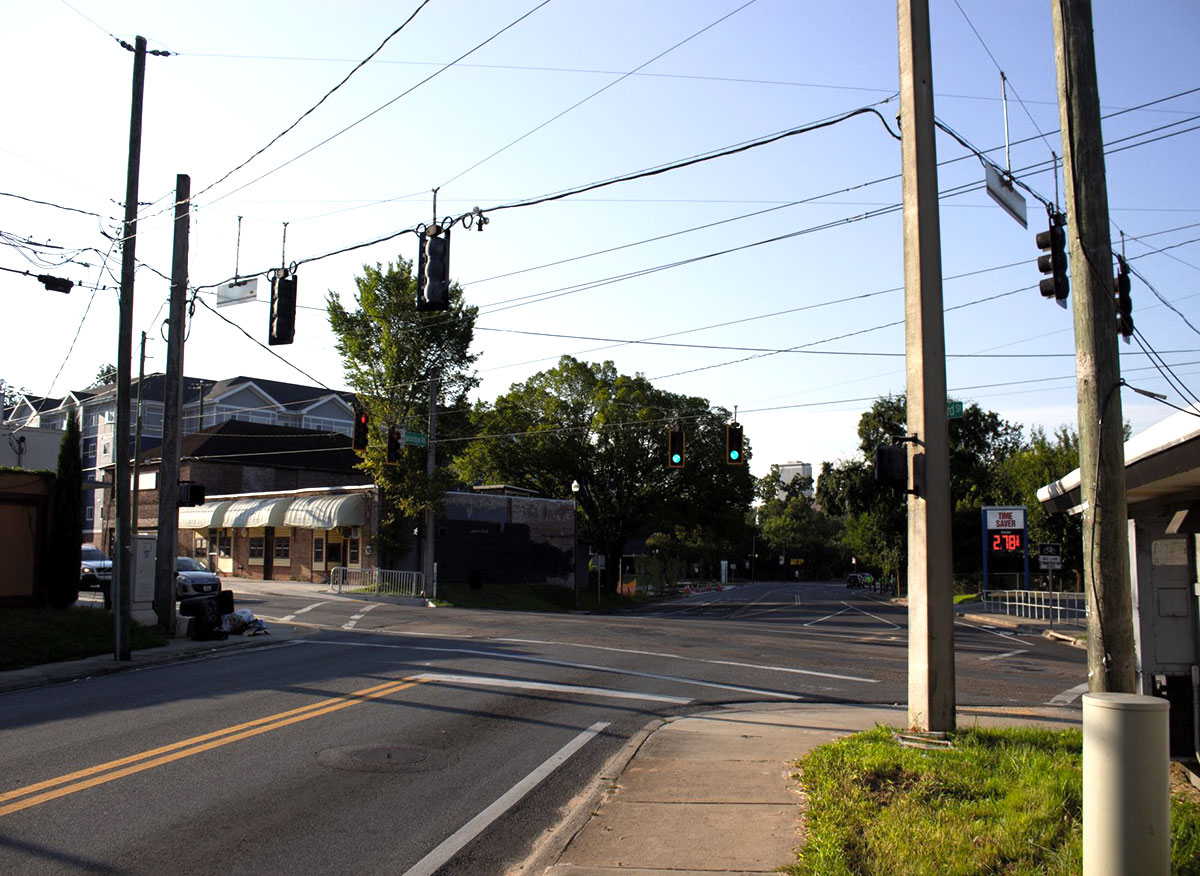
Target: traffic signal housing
(734,453)
(1124,301)
(394,442)
(675,448)
(361,425)
(1054,262)
(433,271)
(282,329)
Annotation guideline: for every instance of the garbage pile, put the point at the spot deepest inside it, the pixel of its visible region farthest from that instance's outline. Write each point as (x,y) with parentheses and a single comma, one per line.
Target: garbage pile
(213,618)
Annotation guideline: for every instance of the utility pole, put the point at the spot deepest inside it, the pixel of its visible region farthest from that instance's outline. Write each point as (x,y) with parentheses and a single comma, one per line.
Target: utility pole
(123,554)
(1097,362)
(931,695)
(168,469)
(427,563)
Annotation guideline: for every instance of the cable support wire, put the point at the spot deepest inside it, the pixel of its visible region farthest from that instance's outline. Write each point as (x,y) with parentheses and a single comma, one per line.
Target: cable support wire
(324,97)
(380,109)
(1164,369)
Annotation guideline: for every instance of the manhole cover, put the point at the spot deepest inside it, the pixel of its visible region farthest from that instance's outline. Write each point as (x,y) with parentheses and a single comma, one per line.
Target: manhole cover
(375,759)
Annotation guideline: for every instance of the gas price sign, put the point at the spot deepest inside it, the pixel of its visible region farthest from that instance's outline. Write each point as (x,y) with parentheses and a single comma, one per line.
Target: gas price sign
(1007,542)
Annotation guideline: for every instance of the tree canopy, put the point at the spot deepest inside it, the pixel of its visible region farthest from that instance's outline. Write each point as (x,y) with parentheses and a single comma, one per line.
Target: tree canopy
(587,423)
(391,352)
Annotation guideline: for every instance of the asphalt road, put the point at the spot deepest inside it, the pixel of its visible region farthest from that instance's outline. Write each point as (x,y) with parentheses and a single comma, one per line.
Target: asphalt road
(408,740)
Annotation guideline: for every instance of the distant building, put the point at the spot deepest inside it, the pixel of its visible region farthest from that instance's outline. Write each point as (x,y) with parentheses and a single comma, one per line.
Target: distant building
(789,470)
(206,403)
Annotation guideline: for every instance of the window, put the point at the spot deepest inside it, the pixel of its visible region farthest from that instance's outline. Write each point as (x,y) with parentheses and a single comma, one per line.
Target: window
(89,513)
(352,551)
(283,547)
(318,549)
(256,548)
(199,545)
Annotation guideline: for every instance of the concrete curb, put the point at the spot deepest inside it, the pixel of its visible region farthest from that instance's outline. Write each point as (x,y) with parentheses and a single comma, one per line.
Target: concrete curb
(1074,641)
(556,839)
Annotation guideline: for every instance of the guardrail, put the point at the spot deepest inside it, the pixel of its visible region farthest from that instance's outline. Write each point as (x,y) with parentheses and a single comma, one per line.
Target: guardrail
(1048,605)
(381,582)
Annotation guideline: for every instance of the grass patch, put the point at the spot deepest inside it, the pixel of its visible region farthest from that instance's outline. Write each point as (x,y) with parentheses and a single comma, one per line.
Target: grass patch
(1002,801)
(33,636)
(965,597)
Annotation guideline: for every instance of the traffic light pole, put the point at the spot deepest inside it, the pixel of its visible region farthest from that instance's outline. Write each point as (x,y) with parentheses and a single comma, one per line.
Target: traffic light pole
(931,695)
(168,470)
(1097,364)
(122,553)
(427,561)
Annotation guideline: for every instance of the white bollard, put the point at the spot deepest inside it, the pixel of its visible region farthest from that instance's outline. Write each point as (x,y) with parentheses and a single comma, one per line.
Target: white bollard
(1126,785)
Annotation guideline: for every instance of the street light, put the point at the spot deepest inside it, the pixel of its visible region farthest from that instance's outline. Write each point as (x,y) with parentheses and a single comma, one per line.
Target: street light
(575,538)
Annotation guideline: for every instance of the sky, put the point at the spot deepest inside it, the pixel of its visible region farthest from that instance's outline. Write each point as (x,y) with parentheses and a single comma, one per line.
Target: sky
(771,279)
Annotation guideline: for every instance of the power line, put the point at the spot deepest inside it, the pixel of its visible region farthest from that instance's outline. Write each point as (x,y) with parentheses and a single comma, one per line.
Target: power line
(380,109)
(50,204)
(324,97)
(599,91)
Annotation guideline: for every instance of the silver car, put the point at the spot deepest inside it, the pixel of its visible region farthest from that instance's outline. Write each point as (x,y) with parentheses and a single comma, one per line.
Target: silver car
(192,579)
(95,569)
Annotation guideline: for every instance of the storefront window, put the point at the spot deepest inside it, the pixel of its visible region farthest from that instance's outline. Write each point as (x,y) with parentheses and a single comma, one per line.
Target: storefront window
(318,549)
(352,551)
(283,547)
(256,548)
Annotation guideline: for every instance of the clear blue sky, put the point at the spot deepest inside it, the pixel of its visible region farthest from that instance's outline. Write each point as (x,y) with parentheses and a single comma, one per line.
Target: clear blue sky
(244,71)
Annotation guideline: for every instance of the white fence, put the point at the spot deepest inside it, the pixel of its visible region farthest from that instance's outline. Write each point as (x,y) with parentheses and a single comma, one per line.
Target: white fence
(1052,606)
(382,582)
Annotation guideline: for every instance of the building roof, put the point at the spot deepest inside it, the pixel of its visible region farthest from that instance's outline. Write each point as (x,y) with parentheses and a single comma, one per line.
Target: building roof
(241,443)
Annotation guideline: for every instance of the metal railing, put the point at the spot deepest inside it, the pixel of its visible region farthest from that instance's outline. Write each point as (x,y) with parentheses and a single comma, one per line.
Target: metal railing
(381,582)
(1053,606)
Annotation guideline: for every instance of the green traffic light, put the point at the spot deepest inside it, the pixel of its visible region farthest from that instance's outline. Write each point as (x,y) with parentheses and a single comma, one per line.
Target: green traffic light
(733,454)
(676,458)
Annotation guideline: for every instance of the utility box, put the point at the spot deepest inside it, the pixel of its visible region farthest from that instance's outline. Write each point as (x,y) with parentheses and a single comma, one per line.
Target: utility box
(141,603)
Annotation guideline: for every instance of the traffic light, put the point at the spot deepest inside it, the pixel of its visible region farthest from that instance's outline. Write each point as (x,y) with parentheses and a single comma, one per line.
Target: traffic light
(891,466)
(433,271)
(394,443)
(1055,263)
(55,284)
(1124,302)
(190,494)
(283,310)
(733,444)
(361,423)
(675,448)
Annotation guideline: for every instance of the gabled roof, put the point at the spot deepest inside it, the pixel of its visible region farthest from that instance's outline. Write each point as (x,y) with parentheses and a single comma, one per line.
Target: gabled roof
(241,443)
(290,396)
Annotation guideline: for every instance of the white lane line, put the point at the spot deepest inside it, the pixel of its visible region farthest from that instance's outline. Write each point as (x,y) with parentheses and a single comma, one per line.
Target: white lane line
(764,667)
(1069,695)
(827,617)
(1008,636)
(355,618)
(1006,654)
(548,662)
(292,616)
(454,843)
(488,681)
(894,626)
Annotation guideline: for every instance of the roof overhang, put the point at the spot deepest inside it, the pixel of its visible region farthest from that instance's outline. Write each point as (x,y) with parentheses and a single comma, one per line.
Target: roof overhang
(250,513)
(326,511)
(1162,469)
(210,515)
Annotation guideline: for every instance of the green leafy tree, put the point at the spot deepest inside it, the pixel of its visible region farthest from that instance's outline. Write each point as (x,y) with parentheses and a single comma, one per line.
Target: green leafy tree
(391,352)
(61,563)
(792,526)
(106,375)
(586,422)
(1043,460)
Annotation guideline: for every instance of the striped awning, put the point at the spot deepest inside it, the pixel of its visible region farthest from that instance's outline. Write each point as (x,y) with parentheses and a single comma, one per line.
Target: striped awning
(250,513)
(326,511)
(210,515)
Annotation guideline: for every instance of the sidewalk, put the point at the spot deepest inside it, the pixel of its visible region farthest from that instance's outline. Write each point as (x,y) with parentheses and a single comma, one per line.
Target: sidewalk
(713,793)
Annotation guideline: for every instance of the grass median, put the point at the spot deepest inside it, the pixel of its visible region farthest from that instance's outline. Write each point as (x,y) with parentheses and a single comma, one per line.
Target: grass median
(999,801)
(34,636)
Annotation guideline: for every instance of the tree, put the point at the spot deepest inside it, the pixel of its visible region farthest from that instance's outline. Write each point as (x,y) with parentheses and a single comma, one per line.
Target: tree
(61,562)
(106,375)
(793,527)
(10,396)
(391,352)
(585,422)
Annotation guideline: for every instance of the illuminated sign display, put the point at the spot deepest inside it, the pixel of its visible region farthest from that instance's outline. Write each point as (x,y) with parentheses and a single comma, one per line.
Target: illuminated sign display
(1004,542)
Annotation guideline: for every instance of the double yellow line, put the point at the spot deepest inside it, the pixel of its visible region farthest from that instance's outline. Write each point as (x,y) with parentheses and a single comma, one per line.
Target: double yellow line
(52,789)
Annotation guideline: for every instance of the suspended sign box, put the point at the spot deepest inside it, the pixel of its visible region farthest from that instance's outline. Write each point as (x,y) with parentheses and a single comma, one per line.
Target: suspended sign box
(237,291)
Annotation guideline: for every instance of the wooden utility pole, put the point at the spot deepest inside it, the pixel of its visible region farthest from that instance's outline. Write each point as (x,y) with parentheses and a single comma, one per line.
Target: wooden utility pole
(123,552)
(168,469)
(931,695)
(428,560)
(1097,363)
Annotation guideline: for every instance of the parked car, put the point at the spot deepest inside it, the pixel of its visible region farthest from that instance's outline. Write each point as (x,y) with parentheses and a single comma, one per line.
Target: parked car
(95,569)
(860,579)
(192,579)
